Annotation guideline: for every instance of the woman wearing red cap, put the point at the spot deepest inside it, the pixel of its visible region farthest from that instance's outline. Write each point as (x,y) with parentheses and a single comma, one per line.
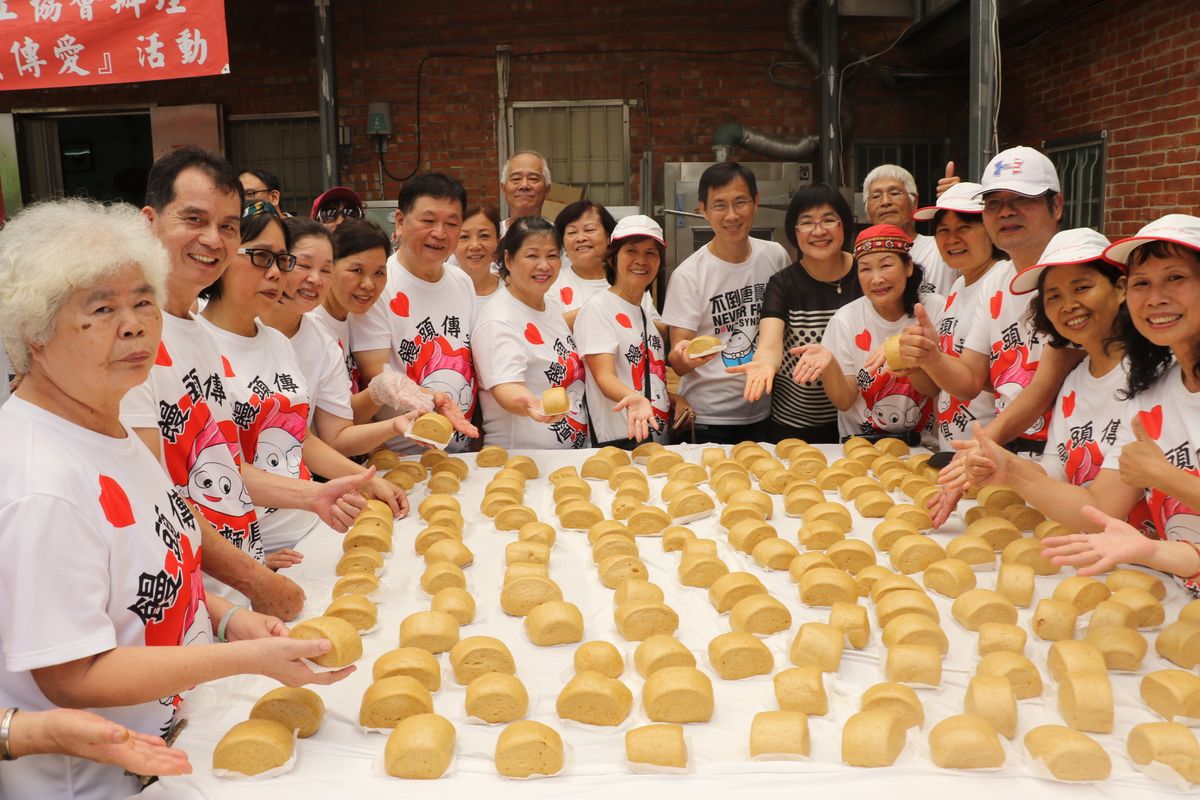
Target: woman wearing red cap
(1155,453)
(875,400)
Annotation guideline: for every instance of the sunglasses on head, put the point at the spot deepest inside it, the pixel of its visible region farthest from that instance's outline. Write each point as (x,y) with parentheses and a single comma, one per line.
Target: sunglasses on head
(330,213)
(256,207)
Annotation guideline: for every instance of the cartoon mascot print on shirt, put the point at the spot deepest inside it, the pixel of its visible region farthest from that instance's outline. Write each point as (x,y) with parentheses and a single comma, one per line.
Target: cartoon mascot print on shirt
(658,383)
(203,462)
(893,405)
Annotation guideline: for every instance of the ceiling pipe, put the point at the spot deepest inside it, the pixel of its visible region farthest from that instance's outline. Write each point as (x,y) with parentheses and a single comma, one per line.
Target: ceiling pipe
(801,42)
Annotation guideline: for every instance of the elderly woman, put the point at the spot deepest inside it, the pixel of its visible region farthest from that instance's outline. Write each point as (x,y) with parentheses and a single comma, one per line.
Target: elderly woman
(873,401)
(83,502)
(522,347)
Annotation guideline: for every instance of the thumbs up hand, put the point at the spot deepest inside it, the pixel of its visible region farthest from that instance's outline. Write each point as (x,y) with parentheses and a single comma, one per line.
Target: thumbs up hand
(1142,462)
(948,180)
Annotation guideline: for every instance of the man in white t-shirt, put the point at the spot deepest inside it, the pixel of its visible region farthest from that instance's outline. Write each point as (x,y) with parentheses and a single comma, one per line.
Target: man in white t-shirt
(890,195)
(1022,205)
(183,412)
(718,291)
(421,325)
(525,183)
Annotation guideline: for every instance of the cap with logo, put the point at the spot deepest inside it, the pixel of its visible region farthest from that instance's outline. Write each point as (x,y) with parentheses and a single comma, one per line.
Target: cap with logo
(1074,246)
(1022,170)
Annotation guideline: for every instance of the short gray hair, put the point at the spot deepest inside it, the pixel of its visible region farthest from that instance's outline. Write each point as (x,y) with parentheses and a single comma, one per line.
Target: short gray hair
(57,247)
(542,158)
(891,172)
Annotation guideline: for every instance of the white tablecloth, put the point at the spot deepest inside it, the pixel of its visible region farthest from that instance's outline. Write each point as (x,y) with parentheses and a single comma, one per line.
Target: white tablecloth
(342,761)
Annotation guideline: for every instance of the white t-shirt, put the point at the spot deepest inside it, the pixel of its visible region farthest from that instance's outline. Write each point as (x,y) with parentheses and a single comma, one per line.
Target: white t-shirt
(716,298)
(100,551)
(608,323)
(482,299)
(573,291)
(427,329)
(324,369)
(517,344)
(1003,332)
(339,331)
(938,276)
(1171,416)
(270,410)
(886,402)
(189,399)
(954,417)
(1086,420)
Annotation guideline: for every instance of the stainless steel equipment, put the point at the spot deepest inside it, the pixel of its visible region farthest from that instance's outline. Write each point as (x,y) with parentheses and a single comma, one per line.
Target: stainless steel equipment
(687,231)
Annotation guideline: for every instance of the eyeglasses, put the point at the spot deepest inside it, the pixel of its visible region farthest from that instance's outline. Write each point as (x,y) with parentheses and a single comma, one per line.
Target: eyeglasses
(265,259)
(330,213)
(256,207)
(720,207)
(250,194)
(824,223)
(892,194)
(1019,203)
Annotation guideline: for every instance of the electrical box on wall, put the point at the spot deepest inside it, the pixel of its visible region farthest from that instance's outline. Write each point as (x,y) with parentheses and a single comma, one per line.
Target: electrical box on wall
(379,120)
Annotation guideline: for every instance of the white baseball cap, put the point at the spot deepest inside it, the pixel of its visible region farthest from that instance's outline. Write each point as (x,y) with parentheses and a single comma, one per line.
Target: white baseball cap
(1022,170)
(637,225)
(1182,229)
(1074,246)
(961,198)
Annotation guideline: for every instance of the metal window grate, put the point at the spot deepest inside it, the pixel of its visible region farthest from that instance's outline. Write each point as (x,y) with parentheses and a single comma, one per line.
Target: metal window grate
(586,143)
(925,159)
(287,145)
(1080,165)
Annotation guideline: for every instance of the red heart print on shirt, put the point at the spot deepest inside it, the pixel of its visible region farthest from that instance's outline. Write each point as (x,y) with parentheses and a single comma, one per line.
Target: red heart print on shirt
(995,303)
(115,503)
(163,359)
(863,340)
(950,300)
(1152,421)
(566,293)
(532,334)
(399,304)
(1068,404)
(624,321)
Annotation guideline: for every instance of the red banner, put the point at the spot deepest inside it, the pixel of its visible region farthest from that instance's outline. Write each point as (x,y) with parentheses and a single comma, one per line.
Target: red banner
(45,44)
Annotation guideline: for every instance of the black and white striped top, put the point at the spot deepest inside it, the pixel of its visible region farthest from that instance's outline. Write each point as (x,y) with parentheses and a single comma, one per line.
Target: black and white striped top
(805,305)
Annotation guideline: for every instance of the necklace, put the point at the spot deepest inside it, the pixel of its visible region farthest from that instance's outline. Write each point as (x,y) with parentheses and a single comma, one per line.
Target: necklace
(831,284)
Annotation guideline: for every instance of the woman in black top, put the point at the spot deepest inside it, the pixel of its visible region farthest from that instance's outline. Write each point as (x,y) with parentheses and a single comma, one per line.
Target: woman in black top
(799,302)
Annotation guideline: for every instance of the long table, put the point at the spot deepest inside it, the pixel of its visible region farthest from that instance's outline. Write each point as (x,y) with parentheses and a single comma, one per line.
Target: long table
(343,761)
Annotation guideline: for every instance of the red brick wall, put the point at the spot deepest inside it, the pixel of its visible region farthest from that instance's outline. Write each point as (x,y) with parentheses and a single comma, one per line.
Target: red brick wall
(1129,68)
(681,97)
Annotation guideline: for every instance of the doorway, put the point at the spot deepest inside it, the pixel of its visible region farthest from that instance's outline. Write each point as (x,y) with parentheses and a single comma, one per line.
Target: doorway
(103,157)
